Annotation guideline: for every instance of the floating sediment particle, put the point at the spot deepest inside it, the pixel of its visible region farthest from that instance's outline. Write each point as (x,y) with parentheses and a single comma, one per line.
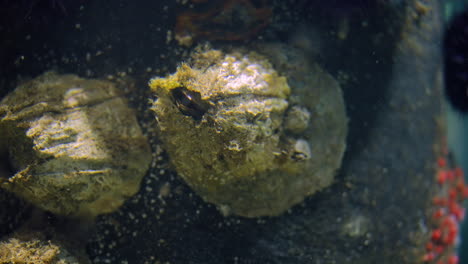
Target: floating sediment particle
(74,145)
(245,137)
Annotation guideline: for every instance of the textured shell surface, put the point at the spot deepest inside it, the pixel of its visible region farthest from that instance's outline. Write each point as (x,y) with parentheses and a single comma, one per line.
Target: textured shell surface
(246,137)
(75,145)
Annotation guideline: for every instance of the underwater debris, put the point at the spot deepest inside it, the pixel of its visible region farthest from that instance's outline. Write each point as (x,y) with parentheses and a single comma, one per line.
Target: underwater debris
(223,20)
(74,144)
(223,118)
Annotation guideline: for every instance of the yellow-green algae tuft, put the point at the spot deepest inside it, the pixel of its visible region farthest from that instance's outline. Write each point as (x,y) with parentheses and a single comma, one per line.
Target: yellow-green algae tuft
(27,247)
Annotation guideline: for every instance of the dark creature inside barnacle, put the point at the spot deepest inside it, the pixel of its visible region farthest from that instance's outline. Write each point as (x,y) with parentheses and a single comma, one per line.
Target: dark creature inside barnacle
(189,102)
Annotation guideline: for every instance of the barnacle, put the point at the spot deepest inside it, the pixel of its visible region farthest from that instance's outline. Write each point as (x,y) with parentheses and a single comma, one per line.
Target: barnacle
(243,138)
(74,145)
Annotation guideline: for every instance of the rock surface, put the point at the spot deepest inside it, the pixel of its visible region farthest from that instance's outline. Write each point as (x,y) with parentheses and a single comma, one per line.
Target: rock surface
(74,144)
(247,138)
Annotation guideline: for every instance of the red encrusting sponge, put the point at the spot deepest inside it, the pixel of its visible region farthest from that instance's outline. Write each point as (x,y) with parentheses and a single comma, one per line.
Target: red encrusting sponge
(447,215)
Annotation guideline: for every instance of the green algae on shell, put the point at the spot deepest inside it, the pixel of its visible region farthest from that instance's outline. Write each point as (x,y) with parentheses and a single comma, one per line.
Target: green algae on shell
(243,137)
(75,145)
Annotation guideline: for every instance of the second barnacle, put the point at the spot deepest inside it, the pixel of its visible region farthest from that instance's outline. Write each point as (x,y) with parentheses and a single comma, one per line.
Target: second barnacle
(247,138)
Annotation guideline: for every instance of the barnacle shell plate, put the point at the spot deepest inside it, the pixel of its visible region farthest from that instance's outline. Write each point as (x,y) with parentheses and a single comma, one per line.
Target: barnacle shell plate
(75,144)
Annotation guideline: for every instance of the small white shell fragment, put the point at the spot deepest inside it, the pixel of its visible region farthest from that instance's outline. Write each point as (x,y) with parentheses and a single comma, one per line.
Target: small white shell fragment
(301,150)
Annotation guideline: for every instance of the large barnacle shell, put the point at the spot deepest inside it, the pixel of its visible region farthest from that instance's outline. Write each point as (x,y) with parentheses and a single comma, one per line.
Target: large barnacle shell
(247,138)
(75,145)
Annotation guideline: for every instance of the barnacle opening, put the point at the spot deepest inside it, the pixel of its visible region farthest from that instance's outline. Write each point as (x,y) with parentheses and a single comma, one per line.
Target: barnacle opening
(189,102)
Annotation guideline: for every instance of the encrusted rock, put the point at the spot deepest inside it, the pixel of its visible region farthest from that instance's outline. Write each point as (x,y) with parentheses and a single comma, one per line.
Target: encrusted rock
(250,139)
(74,145)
